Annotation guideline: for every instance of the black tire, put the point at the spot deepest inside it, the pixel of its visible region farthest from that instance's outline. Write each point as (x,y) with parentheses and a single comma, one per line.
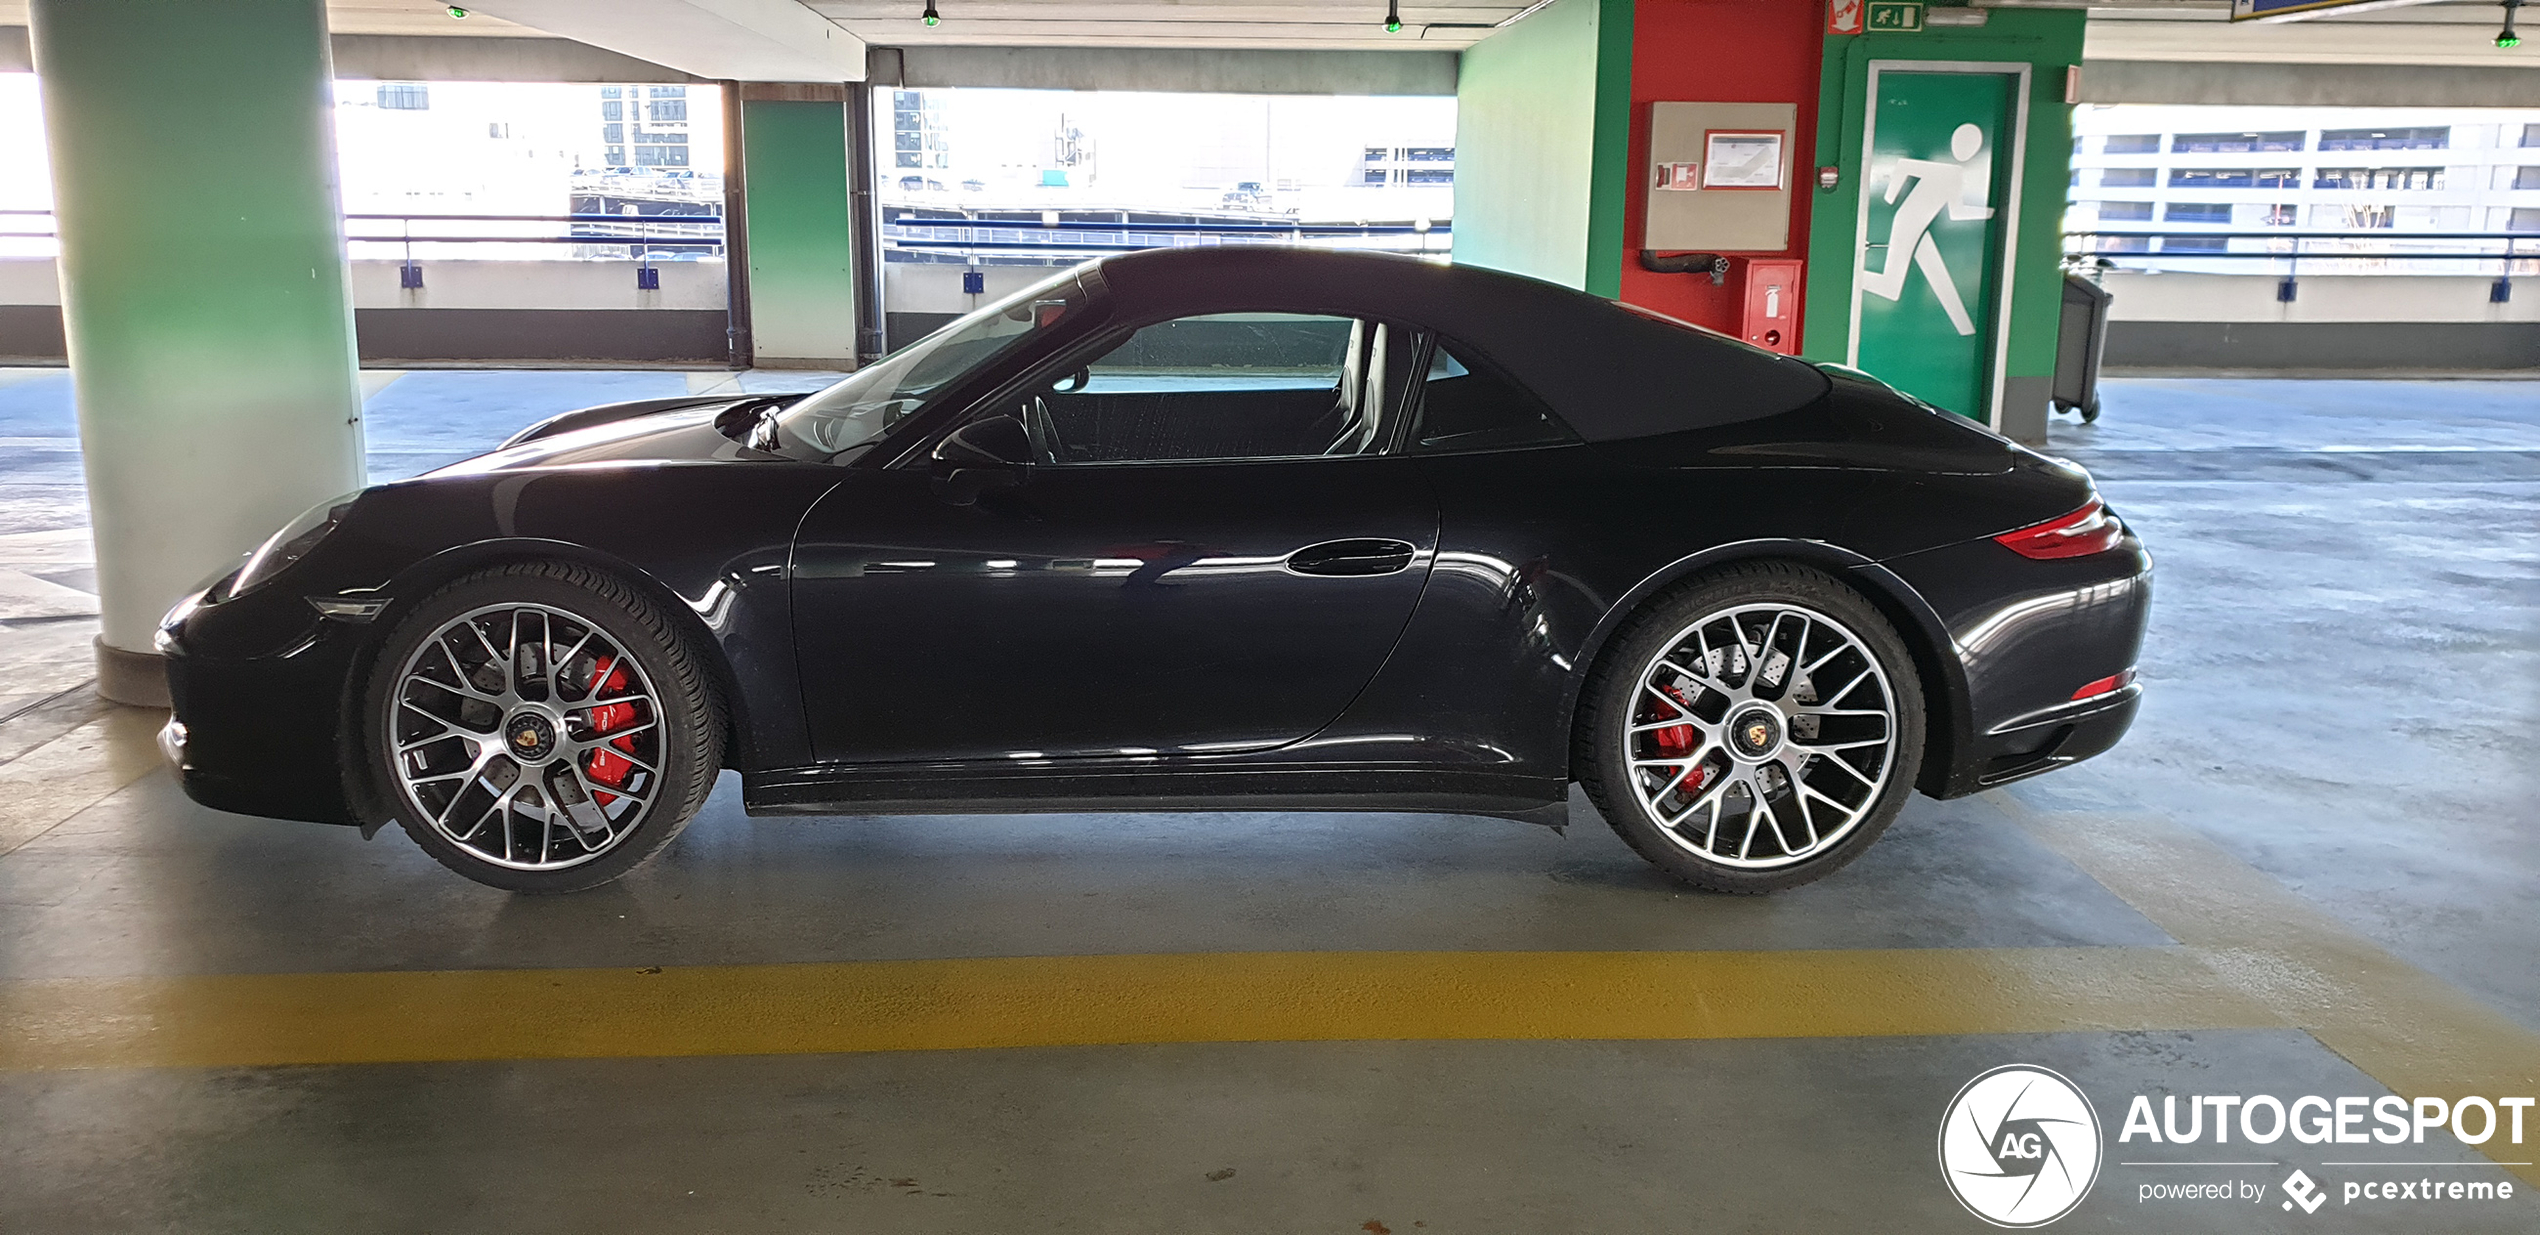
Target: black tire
(683,744)
(1615,695)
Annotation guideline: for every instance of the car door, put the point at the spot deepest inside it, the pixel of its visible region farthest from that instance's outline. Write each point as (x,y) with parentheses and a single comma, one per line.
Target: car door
(1211,551)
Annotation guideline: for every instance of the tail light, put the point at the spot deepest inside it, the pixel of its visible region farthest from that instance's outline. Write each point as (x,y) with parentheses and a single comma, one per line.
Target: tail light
(2088,530)
(2105,686)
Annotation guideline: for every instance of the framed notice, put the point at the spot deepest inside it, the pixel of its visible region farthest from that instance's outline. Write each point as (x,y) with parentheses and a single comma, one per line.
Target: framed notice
(1732,159)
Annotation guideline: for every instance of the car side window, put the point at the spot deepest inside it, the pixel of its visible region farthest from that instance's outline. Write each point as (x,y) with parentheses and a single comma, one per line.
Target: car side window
(1464,407)
(1224,386)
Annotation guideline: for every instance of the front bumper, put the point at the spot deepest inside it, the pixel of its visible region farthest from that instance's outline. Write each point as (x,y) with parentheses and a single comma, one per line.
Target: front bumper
(259,732)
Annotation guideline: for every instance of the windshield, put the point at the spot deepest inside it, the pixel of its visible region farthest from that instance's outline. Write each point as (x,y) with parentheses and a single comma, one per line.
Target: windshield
(866,405)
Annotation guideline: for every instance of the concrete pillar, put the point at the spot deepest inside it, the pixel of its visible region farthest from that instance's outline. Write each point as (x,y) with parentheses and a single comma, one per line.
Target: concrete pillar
(203,289)
(1543,112)
(800,224)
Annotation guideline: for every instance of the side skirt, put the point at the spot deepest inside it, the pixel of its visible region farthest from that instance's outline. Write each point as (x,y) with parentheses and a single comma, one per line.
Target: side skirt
(970,790)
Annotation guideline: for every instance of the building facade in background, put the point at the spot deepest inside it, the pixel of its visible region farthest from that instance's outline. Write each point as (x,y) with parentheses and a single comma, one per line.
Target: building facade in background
(2180,179)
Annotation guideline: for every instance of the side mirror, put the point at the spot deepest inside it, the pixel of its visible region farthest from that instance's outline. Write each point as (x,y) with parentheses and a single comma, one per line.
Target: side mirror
(996,442)
(995,453)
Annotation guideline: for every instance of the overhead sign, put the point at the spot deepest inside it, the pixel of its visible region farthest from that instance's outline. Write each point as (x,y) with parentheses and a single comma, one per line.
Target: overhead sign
(2253,10)
(1891,16)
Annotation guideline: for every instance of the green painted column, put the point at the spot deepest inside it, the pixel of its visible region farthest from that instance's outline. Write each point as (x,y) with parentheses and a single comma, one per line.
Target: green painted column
(1543,117)
(801,233)
(203,289)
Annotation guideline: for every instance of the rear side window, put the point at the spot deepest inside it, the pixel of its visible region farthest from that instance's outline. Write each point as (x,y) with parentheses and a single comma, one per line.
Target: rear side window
(1467,407)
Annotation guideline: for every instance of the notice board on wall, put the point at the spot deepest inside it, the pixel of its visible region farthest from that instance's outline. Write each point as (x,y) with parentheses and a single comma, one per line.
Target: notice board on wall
(1719,177)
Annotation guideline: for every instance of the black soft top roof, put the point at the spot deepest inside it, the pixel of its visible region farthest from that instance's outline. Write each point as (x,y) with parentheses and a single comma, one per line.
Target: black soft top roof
(1611,372)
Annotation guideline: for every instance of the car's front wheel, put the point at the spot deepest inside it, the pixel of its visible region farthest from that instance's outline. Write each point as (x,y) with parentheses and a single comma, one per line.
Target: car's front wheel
(1754,729)
(541,727)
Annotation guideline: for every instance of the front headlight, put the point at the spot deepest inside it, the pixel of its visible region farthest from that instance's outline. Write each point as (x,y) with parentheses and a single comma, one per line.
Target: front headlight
(292,543)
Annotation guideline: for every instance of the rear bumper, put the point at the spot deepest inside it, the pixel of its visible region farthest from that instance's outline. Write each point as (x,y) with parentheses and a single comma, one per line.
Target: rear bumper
(2027,750)
(2027,635)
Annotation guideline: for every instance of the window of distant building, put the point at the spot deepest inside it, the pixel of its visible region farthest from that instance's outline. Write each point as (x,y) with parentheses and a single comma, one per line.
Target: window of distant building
(2525,219)
(2133,143)
(2235,178)
(2438,138)
(2125,211)
(1376,154)
(2197,212)
(2235,143)
(2128,177)
(2283,214)
(2527,178)
(2378,178)
(2195,244)
(1429,175)
(2353,216)
(404,96)
(2531,135)
(1374,175)
(1428,154)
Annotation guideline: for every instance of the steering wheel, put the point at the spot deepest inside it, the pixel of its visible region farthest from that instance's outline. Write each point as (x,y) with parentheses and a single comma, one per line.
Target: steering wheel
(1042,430)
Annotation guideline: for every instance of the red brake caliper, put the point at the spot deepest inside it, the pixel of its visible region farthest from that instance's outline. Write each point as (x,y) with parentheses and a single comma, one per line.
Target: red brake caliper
(607,677)
(1676,741)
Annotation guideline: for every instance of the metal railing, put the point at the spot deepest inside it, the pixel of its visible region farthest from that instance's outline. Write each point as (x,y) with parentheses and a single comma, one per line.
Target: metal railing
(2288,253)
(635,235)
(1062,238)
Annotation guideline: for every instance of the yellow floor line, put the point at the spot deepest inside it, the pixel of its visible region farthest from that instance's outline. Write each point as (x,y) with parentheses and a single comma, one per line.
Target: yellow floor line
(51,783)
(2404,1027)
(335,1018)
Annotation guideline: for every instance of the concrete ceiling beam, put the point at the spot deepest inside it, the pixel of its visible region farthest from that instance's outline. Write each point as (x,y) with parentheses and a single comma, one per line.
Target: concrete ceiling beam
(737,40)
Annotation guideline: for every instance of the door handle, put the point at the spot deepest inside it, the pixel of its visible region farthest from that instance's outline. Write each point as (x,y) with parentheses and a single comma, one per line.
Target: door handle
(1353,557)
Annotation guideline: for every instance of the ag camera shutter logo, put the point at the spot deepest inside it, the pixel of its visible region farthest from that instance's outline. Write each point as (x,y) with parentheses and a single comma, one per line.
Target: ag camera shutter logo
(2019,1146)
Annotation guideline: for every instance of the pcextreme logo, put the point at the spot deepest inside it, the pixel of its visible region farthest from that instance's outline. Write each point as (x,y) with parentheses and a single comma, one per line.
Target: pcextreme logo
(2019,1146)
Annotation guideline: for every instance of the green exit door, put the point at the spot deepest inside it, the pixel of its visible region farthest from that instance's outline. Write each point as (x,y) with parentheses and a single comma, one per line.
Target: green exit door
(1937,217)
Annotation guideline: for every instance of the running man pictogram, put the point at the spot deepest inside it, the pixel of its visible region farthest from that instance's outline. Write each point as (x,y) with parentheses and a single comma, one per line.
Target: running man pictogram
(1938,186)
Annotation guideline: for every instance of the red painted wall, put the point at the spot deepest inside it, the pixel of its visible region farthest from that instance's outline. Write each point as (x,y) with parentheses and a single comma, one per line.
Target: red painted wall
(1719,51)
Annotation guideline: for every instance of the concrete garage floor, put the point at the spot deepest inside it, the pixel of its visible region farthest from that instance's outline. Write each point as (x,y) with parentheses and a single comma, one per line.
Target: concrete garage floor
(2308,871)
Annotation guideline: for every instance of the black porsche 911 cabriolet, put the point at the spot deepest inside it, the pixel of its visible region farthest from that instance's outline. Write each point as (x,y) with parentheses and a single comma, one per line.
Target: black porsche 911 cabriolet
(1219,529)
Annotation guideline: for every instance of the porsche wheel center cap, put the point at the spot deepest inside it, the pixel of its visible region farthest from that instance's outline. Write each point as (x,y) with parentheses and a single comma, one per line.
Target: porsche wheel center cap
(1756,733)
(530,737)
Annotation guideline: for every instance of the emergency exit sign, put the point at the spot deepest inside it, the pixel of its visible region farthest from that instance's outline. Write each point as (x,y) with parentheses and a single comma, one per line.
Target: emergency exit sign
(1895,15)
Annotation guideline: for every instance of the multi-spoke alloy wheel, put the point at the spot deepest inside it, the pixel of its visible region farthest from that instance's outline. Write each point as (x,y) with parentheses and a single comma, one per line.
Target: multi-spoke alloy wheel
(1760,728)
(527,737)
(1762,735)
(541,729)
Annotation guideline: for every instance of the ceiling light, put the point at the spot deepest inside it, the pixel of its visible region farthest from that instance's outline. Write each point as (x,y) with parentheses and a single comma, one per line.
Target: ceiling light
(458,13)
(2506,37)
(1393,16)
(931,17)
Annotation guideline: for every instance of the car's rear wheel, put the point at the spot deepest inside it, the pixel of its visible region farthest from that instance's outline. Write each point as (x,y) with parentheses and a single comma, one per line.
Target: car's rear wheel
(1754,729)
(541,728)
